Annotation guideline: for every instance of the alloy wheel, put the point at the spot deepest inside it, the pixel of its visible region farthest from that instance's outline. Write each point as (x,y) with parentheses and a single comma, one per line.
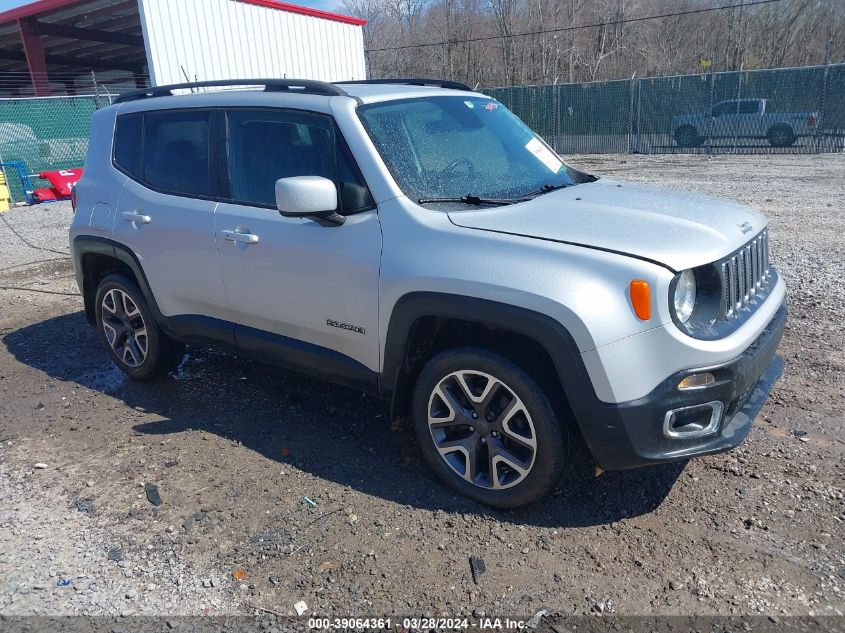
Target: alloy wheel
(124,327)
(482,429)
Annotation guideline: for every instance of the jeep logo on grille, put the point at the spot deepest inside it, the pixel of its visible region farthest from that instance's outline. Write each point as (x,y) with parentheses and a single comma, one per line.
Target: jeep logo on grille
(745,227)
(345,326)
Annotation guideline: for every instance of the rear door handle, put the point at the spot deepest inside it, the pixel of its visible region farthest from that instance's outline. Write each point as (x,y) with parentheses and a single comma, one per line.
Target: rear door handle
(235,236)
(135,217)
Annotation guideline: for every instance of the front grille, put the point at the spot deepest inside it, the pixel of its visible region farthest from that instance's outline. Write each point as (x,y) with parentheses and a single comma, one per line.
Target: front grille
(744,274)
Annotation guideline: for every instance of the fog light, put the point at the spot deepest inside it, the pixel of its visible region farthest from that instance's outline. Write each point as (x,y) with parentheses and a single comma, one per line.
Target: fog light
(697,381)
(697,420)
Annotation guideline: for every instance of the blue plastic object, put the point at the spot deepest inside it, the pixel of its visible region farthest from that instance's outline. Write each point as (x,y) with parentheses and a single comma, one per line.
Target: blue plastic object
(23,176)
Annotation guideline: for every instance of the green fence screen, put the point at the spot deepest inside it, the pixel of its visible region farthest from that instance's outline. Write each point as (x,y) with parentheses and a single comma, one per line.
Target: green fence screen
(787,110)
(45,134)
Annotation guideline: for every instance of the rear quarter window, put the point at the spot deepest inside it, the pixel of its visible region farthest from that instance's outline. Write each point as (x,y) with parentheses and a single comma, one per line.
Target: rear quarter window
(128,144)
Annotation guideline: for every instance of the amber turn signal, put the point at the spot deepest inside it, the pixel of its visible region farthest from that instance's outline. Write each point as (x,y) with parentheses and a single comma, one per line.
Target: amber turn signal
(641,299)
(697,381)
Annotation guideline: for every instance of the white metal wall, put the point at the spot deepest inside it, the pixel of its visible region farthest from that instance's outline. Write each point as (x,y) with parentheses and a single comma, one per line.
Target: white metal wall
(230,39)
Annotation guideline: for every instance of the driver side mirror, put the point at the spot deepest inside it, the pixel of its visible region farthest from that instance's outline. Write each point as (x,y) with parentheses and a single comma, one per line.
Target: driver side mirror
(308,197)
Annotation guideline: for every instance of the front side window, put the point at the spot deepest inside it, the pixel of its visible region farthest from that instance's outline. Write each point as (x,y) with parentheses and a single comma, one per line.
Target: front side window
(439,147)
(176,152)
(265,145)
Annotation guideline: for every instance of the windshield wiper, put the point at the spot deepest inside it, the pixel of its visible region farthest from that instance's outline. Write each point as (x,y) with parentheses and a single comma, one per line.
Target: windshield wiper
(475,200)
(547,189)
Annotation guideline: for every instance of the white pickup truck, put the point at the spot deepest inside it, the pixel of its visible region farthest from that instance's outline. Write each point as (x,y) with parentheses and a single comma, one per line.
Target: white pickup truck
(743,119)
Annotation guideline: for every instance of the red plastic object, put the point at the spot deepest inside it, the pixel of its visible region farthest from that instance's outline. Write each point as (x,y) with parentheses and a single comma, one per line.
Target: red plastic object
(61,184)
(44,195)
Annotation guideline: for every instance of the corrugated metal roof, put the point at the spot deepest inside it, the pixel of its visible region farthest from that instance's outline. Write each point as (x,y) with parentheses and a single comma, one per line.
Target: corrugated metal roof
(117,20)
(40,7)
(80,36)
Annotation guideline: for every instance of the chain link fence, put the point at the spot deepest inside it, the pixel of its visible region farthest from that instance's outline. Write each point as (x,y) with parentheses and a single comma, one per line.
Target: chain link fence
(787,110)
(44,134)
(40,134)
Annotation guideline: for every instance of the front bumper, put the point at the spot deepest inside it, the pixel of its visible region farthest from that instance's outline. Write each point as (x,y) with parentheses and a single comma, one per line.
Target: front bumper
(632,433)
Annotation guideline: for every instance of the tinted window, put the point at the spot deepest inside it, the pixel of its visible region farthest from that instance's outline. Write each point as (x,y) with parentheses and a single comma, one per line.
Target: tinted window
(265,145)
(127,144)
(748,107)
(728,107)
(176,152)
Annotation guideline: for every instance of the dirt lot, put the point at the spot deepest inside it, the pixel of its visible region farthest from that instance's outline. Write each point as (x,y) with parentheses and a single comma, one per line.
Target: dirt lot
(233,447)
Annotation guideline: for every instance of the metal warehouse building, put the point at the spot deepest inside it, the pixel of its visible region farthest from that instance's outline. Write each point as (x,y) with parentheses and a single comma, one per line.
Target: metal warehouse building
(51,47)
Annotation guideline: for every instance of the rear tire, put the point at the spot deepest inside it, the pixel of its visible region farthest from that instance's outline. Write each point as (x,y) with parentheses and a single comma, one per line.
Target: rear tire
(129,331)
(472,403)
(781,136)
(687,136)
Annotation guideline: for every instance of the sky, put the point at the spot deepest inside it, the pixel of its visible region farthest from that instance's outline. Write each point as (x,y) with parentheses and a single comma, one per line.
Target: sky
(326,5)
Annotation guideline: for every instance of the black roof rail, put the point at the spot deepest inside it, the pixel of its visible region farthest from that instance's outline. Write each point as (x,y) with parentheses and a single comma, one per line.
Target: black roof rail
(299,86)
(439,83)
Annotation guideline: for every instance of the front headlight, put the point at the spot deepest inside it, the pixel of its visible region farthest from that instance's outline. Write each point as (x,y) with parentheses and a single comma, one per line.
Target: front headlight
(684,298)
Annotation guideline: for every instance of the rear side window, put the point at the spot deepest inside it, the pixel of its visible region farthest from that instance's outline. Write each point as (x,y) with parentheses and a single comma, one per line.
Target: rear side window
(728,107)
(748,107)
(128,144)
(176,152)
(265,145)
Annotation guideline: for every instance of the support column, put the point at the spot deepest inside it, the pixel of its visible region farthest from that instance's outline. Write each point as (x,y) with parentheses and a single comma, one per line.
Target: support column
(34,52)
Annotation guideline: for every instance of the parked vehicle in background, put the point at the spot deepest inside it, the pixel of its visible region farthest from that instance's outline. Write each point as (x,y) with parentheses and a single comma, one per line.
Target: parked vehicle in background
(743,119)
(416,240)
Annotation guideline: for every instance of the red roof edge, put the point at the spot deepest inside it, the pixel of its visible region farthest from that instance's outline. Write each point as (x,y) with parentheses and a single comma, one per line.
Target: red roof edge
(43,6)
(33,8)
(295,8)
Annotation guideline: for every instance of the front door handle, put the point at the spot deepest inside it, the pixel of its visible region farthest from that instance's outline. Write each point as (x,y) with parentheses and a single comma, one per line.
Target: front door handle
(135,217)
(235,236)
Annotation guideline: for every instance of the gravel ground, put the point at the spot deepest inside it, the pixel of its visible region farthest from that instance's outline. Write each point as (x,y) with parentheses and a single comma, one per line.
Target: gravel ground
(232,447)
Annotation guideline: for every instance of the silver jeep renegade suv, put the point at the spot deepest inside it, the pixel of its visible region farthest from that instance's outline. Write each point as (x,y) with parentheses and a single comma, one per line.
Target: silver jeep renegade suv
(414,239)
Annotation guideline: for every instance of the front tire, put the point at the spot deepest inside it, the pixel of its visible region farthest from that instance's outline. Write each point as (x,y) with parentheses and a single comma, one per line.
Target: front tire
(487,429)
(130,333)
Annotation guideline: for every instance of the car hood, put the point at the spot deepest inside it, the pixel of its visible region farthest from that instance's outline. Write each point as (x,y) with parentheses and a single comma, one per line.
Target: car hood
(676,229)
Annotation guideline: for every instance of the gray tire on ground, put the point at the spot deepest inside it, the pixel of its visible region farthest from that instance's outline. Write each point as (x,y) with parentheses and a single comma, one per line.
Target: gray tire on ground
(551,430)
(687,136)
(162,354)
(781,135)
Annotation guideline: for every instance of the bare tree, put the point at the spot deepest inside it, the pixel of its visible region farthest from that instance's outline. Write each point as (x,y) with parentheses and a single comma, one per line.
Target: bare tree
(508,42)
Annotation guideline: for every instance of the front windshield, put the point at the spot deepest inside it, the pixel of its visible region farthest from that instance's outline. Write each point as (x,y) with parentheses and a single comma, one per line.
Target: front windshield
(448,147)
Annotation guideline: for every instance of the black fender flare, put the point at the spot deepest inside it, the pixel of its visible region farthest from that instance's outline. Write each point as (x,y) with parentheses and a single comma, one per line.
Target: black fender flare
(86,244)
(546,331)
